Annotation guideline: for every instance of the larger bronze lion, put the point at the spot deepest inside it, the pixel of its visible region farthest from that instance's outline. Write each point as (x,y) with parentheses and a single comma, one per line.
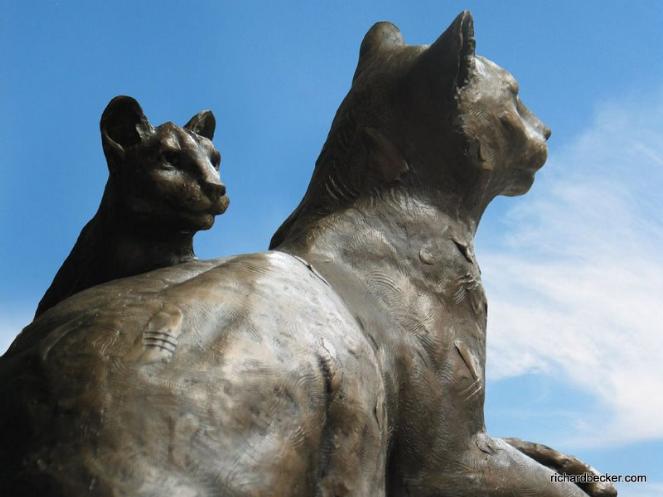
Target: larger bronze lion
(347,361)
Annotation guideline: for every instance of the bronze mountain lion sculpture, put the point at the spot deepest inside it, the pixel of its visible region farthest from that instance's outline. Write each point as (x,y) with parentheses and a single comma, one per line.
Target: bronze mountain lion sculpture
(163,187)
(348,361)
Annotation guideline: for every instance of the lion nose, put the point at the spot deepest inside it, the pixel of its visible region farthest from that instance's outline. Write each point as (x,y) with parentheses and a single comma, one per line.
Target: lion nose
(211,181)
(546,132)
(215,188)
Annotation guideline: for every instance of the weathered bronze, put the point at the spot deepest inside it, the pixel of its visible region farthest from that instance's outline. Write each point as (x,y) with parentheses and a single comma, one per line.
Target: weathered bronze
(349,360)
(163,187)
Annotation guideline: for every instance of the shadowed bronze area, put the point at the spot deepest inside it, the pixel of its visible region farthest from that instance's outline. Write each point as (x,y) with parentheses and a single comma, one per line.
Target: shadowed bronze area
(347,361)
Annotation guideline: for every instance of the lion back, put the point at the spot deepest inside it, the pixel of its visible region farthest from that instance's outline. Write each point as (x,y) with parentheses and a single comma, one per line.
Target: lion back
(230,377)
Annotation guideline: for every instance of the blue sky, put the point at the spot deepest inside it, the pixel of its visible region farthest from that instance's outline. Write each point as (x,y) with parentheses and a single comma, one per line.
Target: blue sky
(573,270)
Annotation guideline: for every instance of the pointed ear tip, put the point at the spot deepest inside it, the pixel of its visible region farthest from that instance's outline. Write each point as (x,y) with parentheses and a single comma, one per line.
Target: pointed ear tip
(466,23)
(203,115)
(121,103)
(384,26)
(203,123)
(123,97)
(381,33)
(461,30)
(123,100)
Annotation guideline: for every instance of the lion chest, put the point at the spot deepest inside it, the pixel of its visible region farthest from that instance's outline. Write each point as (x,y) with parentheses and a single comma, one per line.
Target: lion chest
(448,345)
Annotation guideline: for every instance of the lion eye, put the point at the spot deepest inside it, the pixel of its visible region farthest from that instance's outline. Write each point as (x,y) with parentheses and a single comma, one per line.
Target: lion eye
(170,157)
(520,107)
(509,121)
(216,160)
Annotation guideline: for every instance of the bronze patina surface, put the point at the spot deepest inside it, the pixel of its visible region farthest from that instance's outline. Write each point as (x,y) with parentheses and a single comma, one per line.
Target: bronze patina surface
(349,360)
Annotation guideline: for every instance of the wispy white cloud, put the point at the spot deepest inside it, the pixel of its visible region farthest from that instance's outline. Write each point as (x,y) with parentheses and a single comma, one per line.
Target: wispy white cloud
(653,489)
(575,286)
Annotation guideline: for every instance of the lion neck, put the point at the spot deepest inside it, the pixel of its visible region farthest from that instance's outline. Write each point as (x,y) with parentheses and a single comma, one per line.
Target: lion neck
(112,245)
(394,231)
(133,246)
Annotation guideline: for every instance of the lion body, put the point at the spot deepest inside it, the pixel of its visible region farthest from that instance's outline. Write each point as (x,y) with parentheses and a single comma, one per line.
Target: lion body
(188,393)
(350,361)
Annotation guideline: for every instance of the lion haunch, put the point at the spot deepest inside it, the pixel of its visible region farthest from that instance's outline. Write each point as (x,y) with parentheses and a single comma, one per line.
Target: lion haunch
(163,187)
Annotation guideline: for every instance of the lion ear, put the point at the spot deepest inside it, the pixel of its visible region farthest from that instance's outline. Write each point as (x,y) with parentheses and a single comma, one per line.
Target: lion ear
(202,124)
(382,37)
(450,59)
(123,125)
(384,160)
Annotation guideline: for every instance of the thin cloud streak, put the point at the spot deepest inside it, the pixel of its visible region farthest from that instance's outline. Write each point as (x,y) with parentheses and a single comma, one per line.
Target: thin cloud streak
(576,284)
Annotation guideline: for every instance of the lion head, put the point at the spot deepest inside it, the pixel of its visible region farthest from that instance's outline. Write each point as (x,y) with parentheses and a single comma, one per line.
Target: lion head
(438,120)
(165,177)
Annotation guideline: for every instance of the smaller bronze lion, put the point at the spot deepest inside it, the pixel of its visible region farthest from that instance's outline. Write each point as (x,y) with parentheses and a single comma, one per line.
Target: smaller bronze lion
(163,187)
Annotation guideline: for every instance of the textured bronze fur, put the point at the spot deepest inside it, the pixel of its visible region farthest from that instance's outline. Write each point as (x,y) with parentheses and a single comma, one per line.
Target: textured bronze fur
(348,361)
